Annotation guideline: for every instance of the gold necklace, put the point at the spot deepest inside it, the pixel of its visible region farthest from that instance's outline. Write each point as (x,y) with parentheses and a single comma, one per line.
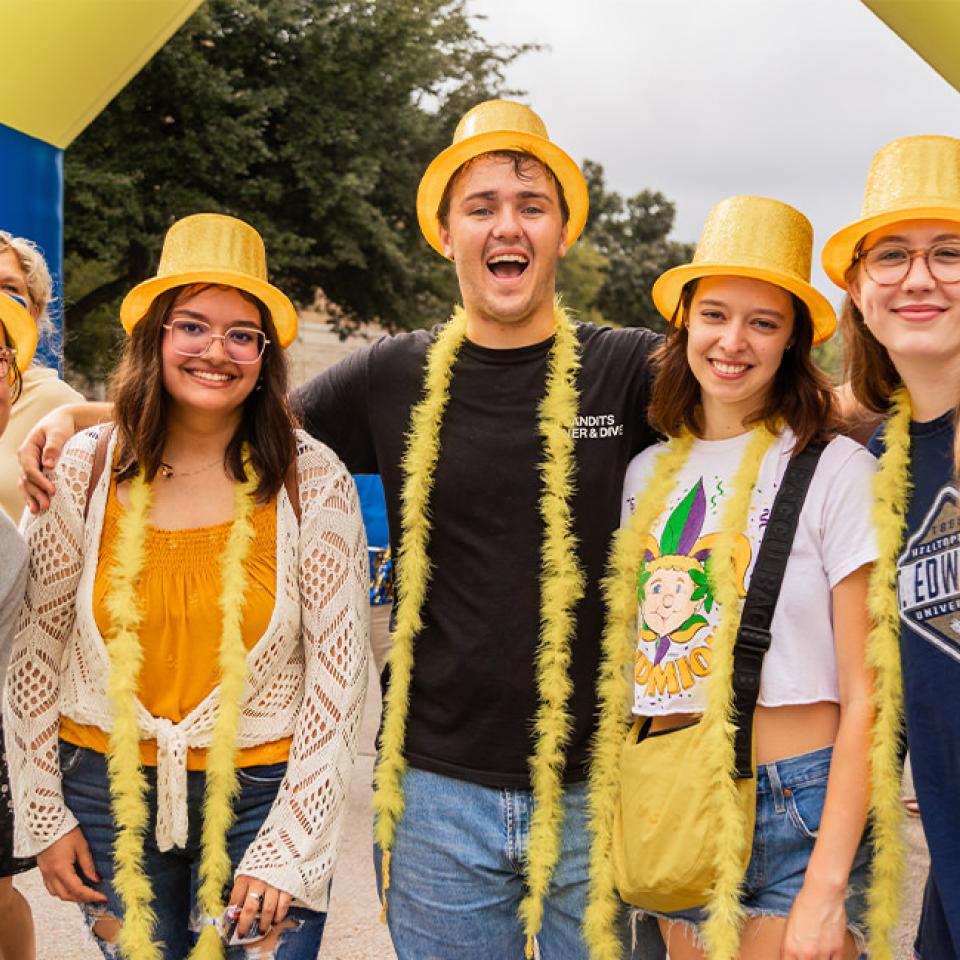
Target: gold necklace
(168,473)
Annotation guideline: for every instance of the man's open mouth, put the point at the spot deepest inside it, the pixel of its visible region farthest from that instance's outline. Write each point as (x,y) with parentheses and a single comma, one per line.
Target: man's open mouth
(507,266)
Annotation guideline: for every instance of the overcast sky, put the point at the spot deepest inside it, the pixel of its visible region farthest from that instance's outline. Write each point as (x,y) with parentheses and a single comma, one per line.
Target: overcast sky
(702,99)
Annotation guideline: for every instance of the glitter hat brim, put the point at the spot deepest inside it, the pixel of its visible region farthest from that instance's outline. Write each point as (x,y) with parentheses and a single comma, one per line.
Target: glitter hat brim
(21,330)
(669,286)
(446,164)
(282,312)
(839,250)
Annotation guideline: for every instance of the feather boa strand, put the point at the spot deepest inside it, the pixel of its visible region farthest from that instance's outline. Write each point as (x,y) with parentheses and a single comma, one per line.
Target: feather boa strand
(724,912)
(128,785)
(419,465)
(615,687)
(561,588)
(222,785)
(891,491)
(127,782)
(721,931)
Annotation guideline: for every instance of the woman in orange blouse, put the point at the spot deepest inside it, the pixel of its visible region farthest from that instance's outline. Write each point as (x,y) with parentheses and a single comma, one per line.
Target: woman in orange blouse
(185,693)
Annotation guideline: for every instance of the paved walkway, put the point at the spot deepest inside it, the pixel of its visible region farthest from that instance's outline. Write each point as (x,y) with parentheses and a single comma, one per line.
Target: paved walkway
(354,931)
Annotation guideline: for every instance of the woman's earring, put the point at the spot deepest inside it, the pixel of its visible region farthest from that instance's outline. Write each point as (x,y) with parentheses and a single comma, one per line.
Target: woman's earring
(259,384)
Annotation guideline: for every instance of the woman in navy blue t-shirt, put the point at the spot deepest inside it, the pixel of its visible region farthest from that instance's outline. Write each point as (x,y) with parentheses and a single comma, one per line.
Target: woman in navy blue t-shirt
(900,264)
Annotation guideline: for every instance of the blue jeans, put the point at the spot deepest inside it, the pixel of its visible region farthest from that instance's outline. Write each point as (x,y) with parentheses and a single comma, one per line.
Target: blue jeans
(457,874)
(174,874)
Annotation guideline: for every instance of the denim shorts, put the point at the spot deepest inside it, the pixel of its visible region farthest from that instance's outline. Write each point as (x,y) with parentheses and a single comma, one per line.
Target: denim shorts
(790,796)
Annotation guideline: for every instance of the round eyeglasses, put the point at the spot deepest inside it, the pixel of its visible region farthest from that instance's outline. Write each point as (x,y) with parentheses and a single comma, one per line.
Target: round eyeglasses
(889,263)
(192,338)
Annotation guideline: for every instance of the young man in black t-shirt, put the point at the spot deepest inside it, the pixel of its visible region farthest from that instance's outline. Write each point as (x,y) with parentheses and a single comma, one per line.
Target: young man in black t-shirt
(503,203)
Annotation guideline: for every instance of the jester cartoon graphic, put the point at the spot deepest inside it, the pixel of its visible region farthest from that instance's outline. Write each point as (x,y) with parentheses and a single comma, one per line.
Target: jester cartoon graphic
(675,594)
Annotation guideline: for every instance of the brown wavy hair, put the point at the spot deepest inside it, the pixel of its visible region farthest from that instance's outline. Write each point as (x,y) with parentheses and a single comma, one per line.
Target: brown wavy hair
(800,393)
(141,403)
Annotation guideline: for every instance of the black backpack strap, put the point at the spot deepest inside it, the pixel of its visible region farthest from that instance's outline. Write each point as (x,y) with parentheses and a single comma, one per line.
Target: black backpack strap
(753,637)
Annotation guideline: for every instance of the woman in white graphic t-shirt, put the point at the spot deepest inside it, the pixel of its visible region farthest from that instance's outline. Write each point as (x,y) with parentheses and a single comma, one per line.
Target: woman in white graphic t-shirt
(737,377)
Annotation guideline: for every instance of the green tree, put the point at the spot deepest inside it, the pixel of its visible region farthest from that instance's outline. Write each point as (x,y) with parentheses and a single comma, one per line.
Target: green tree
(581,275)
(629,237)
(311,119)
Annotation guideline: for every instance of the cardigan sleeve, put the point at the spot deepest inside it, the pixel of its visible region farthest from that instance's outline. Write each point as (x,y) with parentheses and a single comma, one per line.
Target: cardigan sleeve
(297,844)
(31,714)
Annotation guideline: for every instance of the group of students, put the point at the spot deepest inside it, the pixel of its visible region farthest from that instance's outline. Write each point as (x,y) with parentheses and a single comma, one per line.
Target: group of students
(187,674)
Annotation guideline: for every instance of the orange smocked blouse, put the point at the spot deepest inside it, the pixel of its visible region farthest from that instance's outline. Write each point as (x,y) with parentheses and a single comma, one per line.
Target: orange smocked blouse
(180,594)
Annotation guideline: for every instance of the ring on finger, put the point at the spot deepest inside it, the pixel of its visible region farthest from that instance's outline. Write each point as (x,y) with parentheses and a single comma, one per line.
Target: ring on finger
(253,895)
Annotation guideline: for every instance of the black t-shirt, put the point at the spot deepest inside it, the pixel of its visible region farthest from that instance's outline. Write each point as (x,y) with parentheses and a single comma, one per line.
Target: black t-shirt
(474,696)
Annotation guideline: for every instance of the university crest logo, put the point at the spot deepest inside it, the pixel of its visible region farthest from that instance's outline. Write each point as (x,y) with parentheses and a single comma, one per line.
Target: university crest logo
(929,576)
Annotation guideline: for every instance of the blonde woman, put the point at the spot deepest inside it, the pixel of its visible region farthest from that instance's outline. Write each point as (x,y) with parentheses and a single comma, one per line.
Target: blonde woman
(24,274)
(900,265)
(186,686)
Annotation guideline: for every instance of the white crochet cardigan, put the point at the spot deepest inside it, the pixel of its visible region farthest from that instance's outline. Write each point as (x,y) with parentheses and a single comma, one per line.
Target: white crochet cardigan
(308,672)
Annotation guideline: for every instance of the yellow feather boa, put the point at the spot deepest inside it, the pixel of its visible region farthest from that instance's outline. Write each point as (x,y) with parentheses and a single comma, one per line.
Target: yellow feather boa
(891,491)
(615,694)
(722,930)
(561,588)
(127,781)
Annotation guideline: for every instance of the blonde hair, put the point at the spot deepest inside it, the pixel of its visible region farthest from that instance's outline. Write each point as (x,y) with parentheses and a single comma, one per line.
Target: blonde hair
(670,561)
(37,275)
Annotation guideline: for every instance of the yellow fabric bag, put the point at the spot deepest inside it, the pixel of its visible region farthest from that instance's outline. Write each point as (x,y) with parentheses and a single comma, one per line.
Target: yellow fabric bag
(664,826)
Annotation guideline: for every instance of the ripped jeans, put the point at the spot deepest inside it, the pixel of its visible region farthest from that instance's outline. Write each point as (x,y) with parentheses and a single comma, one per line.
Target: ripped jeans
(174,874)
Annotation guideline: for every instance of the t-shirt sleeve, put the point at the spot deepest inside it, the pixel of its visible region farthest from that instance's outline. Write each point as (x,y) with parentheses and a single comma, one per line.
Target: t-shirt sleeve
(847,531)
(646,342)
(334,408)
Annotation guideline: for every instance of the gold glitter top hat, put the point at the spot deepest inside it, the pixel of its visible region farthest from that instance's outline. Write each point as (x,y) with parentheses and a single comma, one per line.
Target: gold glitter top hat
(211,248)
(915,178)
(500,125)
(20,327)
(753,237)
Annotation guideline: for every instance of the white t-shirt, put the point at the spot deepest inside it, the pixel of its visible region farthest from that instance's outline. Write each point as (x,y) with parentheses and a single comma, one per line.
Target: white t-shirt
(677,614)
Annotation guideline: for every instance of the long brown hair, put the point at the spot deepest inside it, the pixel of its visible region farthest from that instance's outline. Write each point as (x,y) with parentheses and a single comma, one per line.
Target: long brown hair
(141,403)
(867,366)
(800,393)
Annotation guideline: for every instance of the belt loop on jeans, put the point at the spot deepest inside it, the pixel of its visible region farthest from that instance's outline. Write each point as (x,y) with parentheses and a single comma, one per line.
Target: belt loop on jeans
(776,787)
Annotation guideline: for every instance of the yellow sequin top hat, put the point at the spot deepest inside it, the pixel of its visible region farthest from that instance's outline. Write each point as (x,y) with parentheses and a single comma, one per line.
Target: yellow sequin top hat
(752,237)
(211,248)
(915,178)
(500,125)
(21,329)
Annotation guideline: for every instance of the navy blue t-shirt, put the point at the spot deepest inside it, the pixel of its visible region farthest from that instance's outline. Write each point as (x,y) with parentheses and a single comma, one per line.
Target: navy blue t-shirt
(929,599)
